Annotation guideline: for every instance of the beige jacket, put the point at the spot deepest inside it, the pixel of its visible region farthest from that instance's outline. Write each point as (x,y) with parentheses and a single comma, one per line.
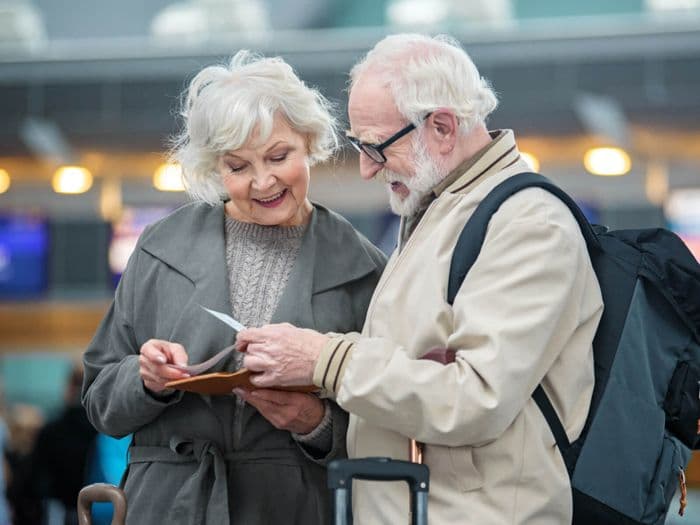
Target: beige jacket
(526,314)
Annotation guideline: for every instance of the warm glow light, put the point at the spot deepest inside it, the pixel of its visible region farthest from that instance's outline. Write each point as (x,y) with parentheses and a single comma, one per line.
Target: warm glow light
(168,177)
(531,160)
(607,161)
(656,183)
(111,199)
(4,181)
(71,179)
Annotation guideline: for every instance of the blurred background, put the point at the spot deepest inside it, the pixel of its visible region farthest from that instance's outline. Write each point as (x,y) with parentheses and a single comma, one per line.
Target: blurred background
(603,97)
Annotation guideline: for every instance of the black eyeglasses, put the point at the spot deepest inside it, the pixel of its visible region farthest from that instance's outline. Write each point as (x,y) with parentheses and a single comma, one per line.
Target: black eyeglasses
(375,151)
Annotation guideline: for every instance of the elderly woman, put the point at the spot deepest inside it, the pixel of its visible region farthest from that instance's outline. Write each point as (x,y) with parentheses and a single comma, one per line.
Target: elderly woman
(254,246)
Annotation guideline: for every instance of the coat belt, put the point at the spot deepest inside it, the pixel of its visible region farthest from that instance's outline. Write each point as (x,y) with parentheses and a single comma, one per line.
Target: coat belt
(203,498)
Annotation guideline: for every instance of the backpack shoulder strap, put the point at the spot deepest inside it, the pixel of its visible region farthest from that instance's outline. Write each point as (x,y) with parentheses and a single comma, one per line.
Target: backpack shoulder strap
(467,250)
(472,236)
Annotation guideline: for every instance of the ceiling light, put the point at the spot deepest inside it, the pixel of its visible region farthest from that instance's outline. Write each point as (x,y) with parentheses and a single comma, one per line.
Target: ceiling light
(4,181)
(531,160)
(168,177)
(71,179)
(111,199)
(607,162)
(656,183)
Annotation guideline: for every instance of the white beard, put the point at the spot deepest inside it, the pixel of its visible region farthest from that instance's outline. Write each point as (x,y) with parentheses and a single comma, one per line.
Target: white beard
(428,173)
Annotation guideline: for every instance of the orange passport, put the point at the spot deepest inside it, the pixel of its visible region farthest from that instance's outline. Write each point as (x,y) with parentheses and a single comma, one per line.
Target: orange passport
(221,383)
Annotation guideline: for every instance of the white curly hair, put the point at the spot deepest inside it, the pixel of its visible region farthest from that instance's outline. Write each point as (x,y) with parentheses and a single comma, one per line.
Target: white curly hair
(224,104)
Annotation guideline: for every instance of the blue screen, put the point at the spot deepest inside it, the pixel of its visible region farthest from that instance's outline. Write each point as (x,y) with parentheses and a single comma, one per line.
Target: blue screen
(24,246)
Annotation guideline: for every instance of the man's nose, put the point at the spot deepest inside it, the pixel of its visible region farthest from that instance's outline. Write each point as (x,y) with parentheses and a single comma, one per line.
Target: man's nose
(368,167)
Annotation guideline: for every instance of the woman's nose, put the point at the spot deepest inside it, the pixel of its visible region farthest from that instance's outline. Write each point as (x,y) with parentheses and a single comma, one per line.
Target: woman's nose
(264,180)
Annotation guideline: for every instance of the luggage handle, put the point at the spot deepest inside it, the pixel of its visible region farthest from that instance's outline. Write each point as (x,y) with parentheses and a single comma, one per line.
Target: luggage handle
(101,492)
(342,472)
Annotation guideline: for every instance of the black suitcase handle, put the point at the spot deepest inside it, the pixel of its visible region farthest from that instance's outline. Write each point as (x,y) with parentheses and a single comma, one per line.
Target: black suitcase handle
(341,472)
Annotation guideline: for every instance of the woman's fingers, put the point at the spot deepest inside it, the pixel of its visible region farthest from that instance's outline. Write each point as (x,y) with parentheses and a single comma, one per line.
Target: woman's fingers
(152,351)
(154,360)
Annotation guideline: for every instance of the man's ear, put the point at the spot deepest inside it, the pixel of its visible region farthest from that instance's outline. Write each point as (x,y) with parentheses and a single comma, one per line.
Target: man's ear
(443,128)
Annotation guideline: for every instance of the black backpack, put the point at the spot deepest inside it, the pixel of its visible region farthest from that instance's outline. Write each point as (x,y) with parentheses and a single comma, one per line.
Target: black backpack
(643,420)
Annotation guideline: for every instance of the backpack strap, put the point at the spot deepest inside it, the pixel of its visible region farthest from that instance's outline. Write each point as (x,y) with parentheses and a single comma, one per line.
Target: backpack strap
(472,236)
(469,245)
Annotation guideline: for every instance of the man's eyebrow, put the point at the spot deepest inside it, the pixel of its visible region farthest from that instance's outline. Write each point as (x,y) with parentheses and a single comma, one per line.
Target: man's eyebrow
(369,138)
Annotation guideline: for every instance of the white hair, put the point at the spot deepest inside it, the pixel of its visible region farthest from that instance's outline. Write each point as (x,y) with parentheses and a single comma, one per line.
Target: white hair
(224,105)
(425,73)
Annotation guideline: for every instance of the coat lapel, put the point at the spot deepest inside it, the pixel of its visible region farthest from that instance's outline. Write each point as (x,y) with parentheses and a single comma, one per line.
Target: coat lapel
(323,263)
(192,243)
(195,248)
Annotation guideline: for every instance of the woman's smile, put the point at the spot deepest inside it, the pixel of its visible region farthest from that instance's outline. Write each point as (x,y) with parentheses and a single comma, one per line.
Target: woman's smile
(273,200)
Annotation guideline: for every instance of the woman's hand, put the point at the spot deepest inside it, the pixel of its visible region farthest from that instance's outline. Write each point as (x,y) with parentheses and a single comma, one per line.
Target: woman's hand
(293,411)
(156,356)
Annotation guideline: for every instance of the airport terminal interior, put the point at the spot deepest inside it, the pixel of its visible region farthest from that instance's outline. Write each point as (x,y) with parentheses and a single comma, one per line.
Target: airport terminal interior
(603,97)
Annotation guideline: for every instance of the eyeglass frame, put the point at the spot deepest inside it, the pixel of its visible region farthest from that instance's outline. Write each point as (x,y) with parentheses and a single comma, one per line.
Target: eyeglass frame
(368,149)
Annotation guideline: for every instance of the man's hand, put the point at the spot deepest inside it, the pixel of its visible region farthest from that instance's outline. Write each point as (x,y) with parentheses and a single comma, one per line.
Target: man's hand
(293,411)
(156,356)
(281,354)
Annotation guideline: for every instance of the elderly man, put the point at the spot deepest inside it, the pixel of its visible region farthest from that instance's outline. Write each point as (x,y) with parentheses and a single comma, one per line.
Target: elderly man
(525,315)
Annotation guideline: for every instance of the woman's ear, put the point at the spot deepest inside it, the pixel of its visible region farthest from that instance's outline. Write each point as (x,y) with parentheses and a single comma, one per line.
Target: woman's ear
(443,128)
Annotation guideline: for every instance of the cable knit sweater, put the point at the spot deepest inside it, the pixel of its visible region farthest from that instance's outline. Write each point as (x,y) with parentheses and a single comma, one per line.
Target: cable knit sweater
(259,260)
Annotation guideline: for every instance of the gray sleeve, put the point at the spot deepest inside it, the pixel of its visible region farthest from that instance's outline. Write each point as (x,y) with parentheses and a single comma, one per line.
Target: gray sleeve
(327,441)
(320,438)
(113,394)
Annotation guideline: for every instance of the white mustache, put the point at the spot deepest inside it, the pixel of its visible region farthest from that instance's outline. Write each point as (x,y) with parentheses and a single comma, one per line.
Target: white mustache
(390,177)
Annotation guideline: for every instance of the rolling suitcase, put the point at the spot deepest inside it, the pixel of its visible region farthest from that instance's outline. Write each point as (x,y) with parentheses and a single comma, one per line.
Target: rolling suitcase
(342,472)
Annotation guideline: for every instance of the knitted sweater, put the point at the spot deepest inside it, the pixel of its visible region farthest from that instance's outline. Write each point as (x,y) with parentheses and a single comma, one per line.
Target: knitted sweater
(259,260)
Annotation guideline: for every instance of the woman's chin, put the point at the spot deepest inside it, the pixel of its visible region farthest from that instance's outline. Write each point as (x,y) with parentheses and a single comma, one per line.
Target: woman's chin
(281,217)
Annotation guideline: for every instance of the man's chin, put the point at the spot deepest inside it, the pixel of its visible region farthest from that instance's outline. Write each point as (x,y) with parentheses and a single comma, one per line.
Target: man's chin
(405,206)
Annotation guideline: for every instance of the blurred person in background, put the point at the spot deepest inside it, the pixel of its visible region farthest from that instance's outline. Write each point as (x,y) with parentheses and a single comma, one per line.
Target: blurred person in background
(60,456)
(4,467)
(24,422)
(255,247)
(525,314)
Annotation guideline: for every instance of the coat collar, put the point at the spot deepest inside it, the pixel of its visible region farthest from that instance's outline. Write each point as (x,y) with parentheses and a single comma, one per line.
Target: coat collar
(499,154)
(191,241)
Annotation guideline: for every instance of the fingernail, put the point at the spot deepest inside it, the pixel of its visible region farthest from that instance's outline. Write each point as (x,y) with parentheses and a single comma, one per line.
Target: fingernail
(239,392)
(161,359)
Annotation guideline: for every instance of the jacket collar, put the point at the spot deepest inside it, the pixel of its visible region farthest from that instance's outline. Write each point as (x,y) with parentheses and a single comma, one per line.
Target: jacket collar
(333,248)
(499,154)
(192,242)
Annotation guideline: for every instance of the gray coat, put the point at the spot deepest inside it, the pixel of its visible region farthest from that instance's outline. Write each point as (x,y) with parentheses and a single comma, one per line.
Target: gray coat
(187,465)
